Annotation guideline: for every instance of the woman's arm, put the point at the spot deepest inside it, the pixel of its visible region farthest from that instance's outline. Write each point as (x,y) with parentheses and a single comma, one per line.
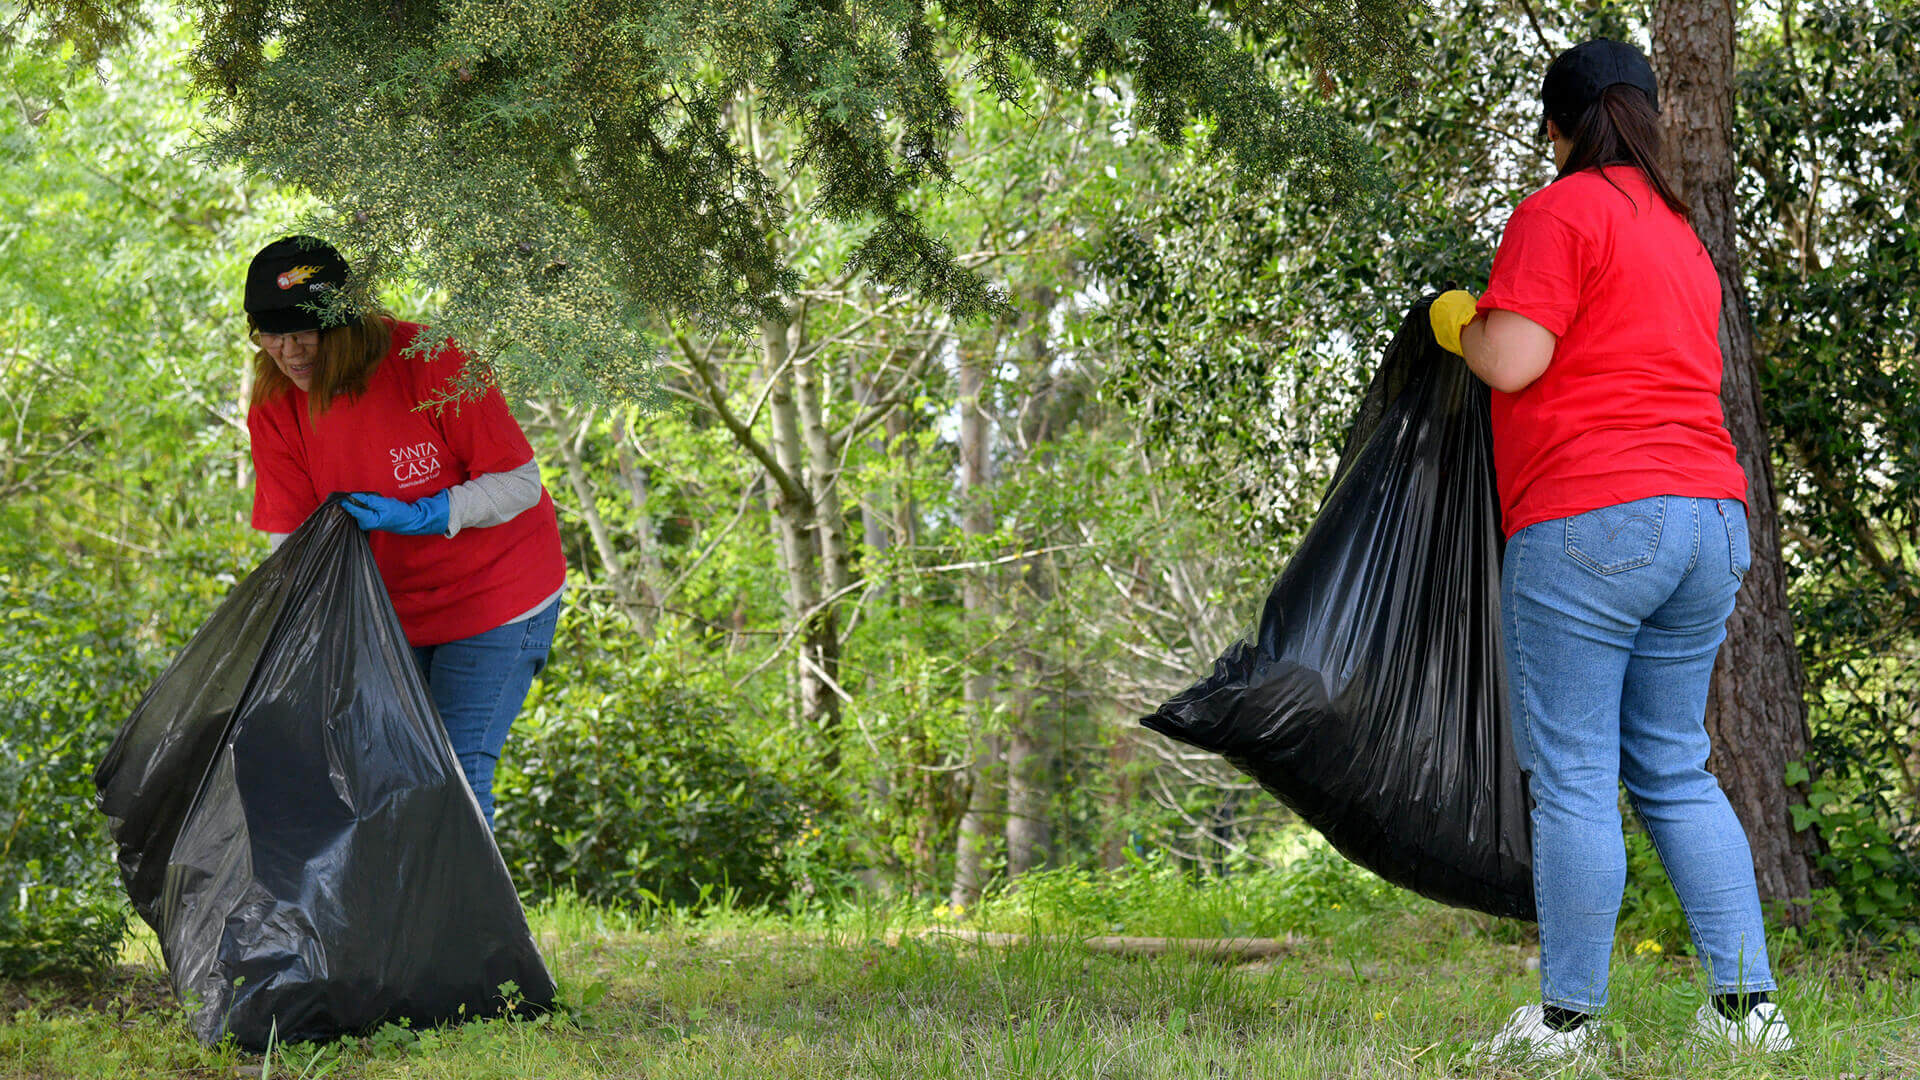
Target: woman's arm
(1506,349)
(493,498)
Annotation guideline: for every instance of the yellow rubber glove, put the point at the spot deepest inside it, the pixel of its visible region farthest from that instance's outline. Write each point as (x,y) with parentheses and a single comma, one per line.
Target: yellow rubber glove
(1450,314)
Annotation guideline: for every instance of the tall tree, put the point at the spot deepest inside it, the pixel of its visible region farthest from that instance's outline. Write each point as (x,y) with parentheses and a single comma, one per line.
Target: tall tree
(1756,712)
(984,792)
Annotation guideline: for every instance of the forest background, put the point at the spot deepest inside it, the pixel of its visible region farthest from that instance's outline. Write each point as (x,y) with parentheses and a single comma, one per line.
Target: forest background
(889,512)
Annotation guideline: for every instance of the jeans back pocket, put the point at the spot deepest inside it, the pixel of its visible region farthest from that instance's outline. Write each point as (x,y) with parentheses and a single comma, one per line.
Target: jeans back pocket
(1615,539)
(1734,512)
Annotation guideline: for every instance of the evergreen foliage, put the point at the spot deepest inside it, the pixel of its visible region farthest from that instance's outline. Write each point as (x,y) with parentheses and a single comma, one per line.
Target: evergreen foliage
(575,173)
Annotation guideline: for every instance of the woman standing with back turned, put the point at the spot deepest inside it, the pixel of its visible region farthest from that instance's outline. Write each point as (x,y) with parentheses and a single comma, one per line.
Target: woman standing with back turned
(1623,505)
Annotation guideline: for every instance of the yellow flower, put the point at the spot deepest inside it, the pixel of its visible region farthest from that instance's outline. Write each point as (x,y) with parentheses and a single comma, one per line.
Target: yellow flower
(1649,947)
(1379,1016)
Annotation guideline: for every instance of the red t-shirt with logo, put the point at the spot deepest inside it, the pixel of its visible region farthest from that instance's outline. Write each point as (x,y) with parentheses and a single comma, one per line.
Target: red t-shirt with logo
(1629,407)
(444,589)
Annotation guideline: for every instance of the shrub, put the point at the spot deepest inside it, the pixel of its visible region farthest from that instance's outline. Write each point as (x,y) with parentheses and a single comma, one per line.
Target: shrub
(630,789)
(68,675)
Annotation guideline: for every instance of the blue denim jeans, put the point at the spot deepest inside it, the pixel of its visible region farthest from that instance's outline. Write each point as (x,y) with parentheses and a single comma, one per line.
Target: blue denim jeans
(1611,622)
(479,683)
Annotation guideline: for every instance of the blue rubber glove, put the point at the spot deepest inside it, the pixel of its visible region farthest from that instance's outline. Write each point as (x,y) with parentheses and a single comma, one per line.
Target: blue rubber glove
(427,517)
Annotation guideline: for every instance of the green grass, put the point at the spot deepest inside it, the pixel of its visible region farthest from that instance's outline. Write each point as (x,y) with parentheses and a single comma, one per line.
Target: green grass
(1383,986)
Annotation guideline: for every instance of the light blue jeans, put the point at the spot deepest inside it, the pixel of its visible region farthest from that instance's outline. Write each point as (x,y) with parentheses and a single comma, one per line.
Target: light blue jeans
(479,683)
(1611,622)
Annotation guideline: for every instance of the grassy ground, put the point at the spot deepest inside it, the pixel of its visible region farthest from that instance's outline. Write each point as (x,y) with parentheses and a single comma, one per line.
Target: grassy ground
(1373,988)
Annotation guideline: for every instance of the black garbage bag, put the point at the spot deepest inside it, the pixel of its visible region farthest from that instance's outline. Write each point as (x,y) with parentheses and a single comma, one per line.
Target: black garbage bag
(1371,698)
(293,824)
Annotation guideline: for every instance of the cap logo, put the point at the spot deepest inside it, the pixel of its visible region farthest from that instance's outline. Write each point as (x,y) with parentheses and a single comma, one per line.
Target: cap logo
(295,276)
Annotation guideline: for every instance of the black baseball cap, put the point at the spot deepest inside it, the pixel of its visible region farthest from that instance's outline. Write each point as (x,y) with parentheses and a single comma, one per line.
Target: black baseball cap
(1578,77)
(289,282)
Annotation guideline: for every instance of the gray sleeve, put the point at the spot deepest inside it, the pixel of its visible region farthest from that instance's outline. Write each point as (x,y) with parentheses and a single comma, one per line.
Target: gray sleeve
(493,498)
(274,540)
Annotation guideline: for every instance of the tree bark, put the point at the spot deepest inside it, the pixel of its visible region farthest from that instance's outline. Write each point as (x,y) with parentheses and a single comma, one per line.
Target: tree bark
(1756,711)
(796,520)
(571,434)
(976,830)
(1043,413)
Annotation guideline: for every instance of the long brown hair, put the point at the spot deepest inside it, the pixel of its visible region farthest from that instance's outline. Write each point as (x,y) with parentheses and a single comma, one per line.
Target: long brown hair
(1620,127)
(343,363)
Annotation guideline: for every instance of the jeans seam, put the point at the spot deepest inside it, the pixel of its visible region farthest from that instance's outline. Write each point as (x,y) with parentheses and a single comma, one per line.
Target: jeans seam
(1533,753)
(1693,558)
(1693,929)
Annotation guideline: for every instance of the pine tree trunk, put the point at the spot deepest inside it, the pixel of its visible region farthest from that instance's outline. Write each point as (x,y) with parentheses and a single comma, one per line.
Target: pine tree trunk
(976,830)
(1756,712)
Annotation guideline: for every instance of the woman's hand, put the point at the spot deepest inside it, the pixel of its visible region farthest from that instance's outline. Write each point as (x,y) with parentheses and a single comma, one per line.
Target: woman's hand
(426,517)
(1449,314)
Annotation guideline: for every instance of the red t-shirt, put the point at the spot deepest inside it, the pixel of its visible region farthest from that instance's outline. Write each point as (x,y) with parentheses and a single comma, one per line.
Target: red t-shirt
(1629,407)
(444,589)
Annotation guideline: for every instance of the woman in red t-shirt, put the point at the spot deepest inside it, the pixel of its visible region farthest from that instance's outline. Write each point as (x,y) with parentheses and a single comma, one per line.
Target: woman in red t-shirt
(1623,505)
(464,534)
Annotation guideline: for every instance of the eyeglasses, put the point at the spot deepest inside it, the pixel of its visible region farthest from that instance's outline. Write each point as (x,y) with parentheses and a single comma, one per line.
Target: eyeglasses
(307,338)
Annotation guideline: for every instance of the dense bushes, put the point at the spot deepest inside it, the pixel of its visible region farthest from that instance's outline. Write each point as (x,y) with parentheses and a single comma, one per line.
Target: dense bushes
(622,784)
(67,674)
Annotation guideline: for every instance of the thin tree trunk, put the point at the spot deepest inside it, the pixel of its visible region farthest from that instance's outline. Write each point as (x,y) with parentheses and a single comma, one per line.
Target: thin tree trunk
(639,489)
(795,520)
(835,562)
(1756,712)
(976,823)
(572,434)
(1029,775)
(1122,797)
(1048,406)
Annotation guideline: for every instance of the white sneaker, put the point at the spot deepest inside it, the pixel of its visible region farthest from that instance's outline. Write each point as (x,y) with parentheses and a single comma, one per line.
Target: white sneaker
(1526,1038)
(1763,1029)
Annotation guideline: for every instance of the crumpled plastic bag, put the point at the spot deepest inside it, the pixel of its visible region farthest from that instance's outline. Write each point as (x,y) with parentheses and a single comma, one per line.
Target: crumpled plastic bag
(292,822)
(1371,699)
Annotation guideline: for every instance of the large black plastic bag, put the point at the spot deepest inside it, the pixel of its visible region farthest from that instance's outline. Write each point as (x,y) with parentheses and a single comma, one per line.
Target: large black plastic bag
(292,822)
(1371,699)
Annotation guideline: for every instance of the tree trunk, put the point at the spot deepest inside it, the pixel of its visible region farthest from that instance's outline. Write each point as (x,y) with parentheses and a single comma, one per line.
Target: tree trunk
(649,574)
(795,519)
(976,824)
(1029,777)
(1756,712)
(835,562)
(572,433)
(1033,725)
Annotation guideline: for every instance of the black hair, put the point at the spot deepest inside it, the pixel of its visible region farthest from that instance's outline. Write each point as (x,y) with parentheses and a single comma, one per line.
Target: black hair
(1620,127)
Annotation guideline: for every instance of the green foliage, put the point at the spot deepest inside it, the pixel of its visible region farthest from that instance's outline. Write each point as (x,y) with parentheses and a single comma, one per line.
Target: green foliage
(119,495)
(84,32)
(573,172)
(626,786)
(1830,119)
(1873,882)
(1314,891)
(1651,919)
(68,673)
